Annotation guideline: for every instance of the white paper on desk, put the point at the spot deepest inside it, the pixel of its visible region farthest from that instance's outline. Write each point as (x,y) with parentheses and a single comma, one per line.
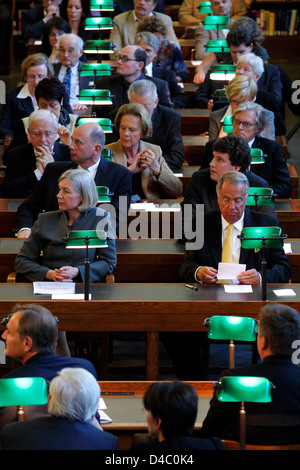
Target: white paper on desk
(230,270)
(140,206)
(284,292)
(178,175)
(196,62)
(287,248)
(69,296)
(102,404)
(53,288)
(237,289)
(173,208)
(104,418)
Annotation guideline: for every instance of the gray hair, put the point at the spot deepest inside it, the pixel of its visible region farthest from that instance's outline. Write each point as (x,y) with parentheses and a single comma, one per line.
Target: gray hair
(249,106)
(36,59)
(74,395)
(255,62)
(138,110)
(148,38)
(233,177)
(84,185)
(142,88)
(43,115)
(76,39)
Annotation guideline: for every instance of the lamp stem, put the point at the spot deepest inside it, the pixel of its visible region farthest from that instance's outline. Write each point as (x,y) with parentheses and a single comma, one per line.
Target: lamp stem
(231,354)
(263,272)
(86,271)
(21,413)
(242,427)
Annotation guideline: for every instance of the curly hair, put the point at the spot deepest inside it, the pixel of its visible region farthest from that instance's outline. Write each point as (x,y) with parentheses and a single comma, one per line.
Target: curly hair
(245,31)
(237,148)
(152,25)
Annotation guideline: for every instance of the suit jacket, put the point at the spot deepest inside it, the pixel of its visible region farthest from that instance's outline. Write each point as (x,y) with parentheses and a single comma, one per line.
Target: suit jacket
(20,179)
(126,5)
(117,178)
(166,134)
(178,444)
(125,26)
(51,433)
(178,98)
(115,85)
(84,82)
(33,23)
(274,170)
(151,186)
(278,268)
(277,422)
(189,11)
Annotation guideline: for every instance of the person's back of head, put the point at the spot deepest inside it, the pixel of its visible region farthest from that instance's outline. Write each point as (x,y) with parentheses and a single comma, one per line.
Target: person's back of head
(244,31)
(176,404)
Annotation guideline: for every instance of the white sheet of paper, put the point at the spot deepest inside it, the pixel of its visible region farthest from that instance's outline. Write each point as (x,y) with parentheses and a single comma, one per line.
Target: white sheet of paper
(284,292)
(196,62)
(104,418)
(69,296)
(287,248)
(178,174)
(173,208)
(237,289)
(140,206)
(230,270)
(53,288)
(102,405)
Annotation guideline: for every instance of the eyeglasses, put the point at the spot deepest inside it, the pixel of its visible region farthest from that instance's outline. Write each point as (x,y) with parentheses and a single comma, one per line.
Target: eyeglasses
(238,101)
(39,133)
(149,105)
(245,124)
(126,59)
(62,50)
(34,77)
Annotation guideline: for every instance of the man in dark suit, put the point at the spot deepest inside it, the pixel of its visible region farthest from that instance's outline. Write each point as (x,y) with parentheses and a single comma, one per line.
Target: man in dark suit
(150,43)
(248,120)
(35,18)
(73,401)
(87,142)
(26,163)
(277,422)
(130,67)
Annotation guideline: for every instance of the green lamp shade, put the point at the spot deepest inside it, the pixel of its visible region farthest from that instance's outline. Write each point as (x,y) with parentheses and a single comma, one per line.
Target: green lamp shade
(261,197)
(220,95)
(107,154)
(244,389)
(217,45)
(102,5)
(95,46)
(227,124)
(231,328)
(96,23)
(23,391)
(106,124)
(204,8)
(257,156)
(95,97)
(259,237)
(103,194)
(96,70)
(215,22)
(222,72)
(80,239)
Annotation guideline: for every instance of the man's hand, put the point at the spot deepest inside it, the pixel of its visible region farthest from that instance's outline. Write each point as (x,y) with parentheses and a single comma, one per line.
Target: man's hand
(63,274)
(22,234)
(44,156)
(250,277)
(207,274)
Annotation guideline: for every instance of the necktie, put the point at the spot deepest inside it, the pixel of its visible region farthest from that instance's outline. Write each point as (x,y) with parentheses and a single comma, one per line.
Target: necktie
(228,246)
(67,81)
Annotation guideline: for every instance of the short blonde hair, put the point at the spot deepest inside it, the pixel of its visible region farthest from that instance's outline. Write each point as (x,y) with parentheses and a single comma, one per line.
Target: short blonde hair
(84,185)
(241,86)
(135,109)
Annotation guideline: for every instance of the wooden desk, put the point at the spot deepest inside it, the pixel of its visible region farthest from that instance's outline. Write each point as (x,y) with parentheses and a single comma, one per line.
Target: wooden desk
(193,121)
(149,308)
(125,408)
(187,48)
(193,148)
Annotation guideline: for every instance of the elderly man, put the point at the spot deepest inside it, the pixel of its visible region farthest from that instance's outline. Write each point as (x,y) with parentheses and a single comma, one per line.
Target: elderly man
(88,140)
(189,10)
(125,24)
(35,18)
(248,120)
(26,163)
(150,43)
(67,70)
(130,67)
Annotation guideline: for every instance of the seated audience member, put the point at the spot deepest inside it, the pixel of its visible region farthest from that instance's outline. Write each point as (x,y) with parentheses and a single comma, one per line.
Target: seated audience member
(49,95)
(75,12)
(151,174)
(77,200)
(35,18)
(202,36)
(130,67)
(277,422)
(73,403)
(169,55)
(149,42)
(31,337)
(172,412)
(125,24)
(53,30)
(120,6)
(239,90)
(25,164)
(247,122)
(88,141)
(21,102)
(189,11)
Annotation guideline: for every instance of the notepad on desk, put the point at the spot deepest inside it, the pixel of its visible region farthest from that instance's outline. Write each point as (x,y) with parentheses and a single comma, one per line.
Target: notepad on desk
(104,418)
(52,288)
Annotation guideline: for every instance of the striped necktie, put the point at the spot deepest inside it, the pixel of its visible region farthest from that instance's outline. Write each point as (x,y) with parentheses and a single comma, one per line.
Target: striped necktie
(67,81)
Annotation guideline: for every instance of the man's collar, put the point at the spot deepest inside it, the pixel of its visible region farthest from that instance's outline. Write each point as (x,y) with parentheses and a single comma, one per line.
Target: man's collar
(239,224)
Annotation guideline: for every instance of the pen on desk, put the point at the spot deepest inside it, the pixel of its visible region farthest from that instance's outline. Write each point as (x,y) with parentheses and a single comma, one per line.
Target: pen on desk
(191,287)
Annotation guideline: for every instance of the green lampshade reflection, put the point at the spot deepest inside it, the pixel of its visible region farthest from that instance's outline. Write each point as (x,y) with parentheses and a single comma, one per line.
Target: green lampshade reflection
(95,46)
(107,154)
(96,23)
(106,124)
(244,389)
(102,5)
(215,22)
(23,391)
(231,328)
(95,238)
(261,197)
(217,45)
(204,8)
(258,237)
(96,70)
(103,194)
(95,97)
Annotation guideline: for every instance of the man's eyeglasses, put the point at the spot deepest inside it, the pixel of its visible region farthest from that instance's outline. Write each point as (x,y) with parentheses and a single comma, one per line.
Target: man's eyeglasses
(245,124)
(126,59)
(39,133)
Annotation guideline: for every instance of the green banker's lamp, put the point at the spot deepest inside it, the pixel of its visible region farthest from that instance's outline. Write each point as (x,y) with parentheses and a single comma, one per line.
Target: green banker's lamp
(95,70)
(216,22)
(97,23)
(217,45)
(104,123)
(261,197)
(204,8)
(107,154)
(95,98)
(241,390)
(260,238)
(227,124)
(79,239)
(257,157)
(98,47)
(222,72)
(102,5)
(23,391)
(231,328)
(103,194)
